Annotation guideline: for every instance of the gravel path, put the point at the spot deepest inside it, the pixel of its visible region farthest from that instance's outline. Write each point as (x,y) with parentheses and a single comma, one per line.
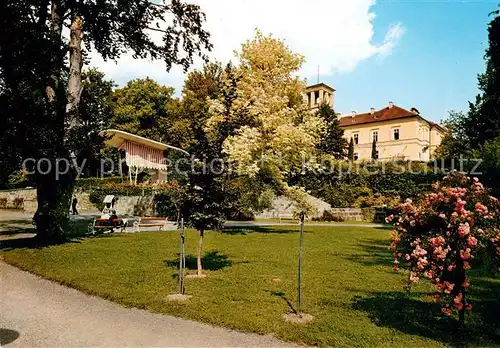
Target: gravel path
(38,313)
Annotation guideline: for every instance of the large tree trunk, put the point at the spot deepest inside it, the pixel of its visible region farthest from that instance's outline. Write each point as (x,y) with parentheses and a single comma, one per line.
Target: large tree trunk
(200,251)
(55,184)
(75,71)
(54,196)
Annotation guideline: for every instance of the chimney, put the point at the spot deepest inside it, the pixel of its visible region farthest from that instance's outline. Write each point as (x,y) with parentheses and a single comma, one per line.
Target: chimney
(391,104)
(372,111)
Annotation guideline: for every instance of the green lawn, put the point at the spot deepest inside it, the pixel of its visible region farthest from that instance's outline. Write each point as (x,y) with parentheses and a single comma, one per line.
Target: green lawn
(349,285)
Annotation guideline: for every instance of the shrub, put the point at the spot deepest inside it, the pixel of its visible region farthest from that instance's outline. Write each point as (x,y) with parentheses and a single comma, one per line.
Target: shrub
(18,179)
(3,202)
(438,237)
(378,200)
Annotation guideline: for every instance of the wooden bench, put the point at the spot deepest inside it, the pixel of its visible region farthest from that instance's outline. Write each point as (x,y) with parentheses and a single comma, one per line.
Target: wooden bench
(100,224)
(160,222)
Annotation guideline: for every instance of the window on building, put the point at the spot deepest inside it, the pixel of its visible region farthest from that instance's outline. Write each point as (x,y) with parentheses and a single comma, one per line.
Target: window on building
(375,136)
(356,139)
(356,156)
(396,134)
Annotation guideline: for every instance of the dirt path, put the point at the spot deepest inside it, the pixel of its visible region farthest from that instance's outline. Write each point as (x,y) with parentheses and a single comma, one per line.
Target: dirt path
(38,313)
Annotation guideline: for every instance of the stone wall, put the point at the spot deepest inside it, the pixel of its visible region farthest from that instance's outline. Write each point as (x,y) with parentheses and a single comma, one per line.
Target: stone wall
(28,196)
(135,206)
(282,206)
(30,203)
(349,214)
(125,205)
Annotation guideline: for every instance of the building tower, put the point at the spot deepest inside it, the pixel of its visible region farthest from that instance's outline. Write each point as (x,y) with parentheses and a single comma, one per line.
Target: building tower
(318,94)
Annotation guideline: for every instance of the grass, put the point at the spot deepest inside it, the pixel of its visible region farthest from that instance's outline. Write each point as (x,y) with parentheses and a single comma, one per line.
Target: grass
(296,221)
(348,284)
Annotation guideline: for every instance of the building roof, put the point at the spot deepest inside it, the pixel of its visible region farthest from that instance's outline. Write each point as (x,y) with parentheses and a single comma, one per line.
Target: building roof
(320,85)
(385,114)
(117,138)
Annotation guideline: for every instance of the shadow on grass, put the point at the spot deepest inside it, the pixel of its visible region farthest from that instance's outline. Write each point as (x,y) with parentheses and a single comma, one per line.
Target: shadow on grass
(405,313)
(281,294)
(24,242)
(243,230)
(211,261)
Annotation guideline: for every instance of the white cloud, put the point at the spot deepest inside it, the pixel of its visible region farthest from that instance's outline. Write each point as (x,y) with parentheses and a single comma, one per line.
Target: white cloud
(335,35)
(392,37)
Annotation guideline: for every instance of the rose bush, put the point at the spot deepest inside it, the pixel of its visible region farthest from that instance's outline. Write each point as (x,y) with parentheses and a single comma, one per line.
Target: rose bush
(439,236)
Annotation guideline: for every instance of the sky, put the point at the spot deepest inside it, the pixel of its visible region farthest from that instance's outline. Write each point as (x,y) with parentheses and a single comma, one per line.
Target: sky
(423,54)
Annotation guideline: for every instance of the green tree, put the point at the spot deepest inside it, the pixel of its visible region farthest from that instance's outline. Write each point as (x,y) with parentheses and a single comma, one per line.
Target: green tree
(204,207)
(456,140)
(491,164)
(94,115)
(41,74)
(142,108)
(374,150)
(350,151)
(333,141)
(275,130)
(483,121)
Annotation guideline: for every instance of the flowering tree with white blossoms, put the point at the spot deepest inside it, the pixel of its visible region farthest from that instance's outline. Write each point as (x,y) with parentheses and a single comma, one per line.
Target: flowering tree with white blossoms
(438,237)
(277,131)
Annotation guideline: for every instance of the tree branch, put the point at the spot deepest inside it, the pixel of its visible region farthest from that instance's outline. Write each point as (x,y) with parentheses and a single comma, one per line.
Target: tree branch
(156,29)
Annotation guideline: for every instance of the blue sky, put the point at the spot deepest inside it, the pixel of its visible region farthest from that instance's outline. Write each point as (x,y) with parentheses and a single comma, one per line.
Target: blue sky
(434,66)
(423,54)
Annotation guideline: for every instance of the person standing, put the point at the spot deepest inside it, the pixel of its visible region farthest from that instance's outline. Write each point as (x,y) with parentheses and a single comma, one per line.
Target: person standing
(73,206)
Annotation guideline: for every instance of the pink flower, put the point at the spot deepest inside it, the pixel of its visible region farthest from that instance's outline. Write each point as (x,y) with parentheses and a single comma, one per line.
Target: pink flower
(465,255)
(481,208)
(458,302)
(451,268)
(448,287)
(463,230)
(446,311)
(414,277)
(459,205)
(471,241)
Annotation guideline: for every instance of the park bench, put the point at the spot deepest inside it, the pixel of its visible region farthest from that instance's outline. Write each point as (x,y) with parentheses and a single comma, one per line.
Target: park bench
(102,225)
(160,222)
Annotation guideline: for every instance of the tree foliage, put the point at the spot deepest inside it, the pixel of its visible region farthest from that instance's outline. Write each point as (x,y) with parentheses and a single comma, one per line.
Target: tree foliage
(374,155)
(350,150)
(275,132)
(332,142)
(483,122)
(142,107)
